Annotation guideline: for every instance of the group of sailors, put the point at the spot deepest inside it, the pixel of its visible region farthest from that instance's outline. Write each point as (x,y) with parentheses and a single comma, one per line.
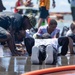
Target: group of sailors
(43,46)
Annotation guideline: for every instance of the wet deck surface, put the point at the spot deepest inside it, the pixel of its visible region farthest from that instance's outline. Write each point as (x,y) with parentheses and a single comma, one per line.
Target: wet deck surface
(17,65)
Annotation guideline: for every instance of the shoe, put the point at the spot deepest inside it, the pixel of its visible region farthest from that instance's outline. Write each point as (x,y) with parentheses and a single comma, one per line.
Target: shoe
(54,57)
(34,56)
(49,55)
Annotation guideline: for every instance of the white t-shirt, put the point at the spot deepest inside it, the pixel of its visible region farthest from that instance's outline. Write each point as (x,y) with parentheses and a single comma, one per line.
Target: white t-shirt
(43,29)
(53,42)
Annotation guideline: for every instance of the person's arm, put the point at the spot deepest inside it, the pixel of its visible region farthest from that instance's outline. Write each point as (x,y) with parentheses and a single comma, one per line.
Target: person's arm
(53,1)
(57,35)
(71,45)
(53,4)
(40,32)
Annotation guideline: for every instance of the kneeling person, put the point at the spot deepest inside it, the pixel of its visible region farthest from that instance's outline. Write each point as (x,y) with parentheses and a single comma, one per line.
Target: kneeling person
(10,24)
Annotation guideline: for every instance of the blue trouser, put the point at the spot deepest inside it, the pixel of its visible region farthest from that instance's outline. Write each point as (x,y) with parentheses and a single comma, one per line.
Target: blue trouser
(29,43)
(73,13)
(63,41)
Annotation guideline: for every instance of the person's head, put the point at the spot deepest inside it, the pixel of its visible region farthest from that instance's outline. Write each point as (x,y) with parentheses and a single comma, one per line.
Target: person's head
(20,35)
(26,24)
(52,24)
(72,26)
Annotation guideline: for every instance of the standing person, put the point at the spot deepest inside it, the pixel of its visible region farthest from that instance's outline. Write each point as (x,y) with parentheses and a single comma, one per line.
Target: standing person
(72,2)
(31,12)
(18,3)
(50,29)
(44,6)
(10,24)
(2,6)
(29,3)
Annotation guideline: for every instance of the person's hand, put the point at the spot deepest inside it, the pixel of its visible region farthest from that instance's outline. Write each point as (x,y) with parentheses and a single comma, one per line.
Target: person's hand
(39,37)
(46,36)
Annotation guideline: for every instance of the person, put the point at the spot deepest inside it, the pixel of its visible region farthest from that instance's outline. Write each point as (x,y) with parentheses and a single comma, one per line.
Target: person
(28,3)
(46,50)
(71,31)
(44,6)
(72,2)
(50,29)
(2,6)
(18,3)
(11,24)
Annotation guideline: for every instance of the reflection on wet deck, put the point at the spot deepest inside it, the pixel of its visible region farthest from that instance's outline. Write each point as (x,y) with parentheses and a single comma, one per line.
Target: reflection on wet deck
(22,64)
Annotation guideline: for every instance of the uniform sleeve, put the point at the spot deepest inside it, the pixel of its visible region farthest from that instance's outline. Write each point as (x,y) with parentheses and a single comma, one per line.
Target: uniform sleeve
(16,22)
(40,32)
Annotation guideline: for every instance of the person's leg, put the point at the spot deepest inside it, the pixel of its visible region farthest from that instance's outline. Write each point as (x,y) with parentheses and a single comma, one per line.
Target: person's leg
(47,19)
(64,42)
(42,53)
(5,36)
(43,15)
(49,54)
(40,22)
(38,54)
(29,43)
(71,45)
(12,46)
(35,54)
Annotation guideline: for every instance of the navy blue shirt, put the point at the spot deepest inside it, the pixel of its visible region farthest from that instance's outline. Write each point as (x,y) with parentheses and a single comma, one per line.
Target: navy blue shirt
(10,19)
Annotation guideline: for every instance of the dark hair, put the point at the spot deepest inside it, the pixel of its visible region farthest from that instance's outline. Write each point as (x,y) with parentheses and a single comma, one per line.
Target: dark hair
(23,18)
(22,22)
(52,21)
(72,26)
